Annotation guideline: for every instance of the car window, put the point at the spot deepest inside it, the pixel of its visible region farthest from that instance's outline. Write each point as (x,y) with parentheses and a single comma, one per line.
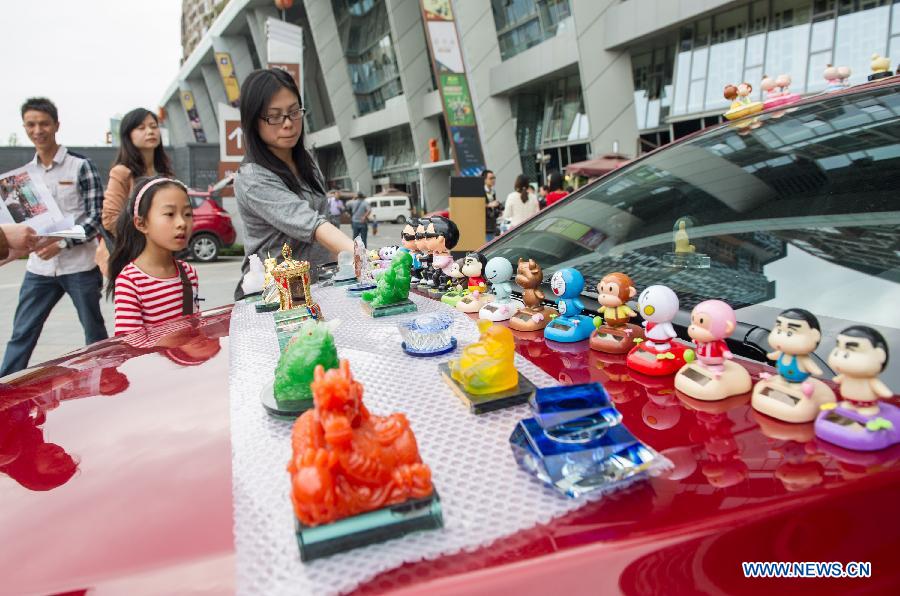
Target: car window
(399,202)
(796,208)
(384,204)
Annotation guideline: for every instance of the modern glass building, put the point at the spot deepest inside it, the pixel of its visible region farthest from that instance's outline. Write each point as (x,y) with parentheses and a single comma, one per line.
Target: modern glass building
(552,82)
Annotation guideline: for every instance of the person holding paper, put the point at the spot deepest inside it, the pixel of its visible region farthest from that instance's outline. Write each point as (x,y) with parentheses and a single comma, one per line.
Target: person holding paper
(59,265)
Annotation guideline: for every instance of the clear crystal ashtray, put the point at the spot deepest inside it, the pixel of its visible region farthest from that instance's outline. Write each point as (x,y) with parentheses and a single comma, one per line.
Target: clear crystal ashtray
(427,335)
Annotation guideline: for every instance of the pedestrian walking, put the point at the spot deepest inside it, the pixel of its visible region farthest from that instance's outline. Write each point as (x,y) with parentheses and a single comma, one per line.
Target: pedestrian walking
(555,184)
(520,203)
(492,206)
(148,283)
(360,211)
(64,266)
(335,209)
(279,188)
(140,154)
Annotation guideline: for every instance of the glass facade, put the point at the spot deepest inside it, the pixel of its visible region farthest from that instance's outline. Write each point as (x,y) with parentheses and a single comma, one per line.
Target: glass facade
(795,37)
(366,40)
(334,167)
(390,151)
(551,119)
(524,23)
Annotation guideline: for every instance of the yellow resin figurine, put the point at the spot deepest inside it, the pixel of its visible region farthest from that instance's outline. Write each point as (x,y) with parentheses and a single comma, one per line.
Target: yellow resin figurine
(487,365)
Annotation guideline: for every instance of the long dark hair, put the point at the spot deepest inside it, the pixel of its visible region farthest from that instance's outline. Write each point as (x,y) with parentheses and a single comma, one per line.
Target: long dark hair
(130,242)
(554,180)
(256,93)
(522,187)
(130,156)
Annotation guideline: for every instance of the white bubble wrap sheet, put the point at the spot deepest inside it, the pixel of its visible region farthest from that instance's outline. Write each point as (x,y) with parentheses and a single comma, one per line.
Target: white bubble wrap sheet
(484,494)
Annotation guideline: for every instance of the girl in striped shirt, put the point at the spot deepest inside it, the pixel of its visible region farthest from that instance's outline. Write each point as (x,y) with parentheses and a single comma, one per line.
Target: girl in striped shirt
(150,285)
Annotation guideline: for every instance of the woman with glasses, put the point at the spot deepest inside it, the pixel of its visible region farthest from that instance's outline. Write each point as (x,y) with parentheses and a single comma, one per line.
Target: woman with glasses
(279,188)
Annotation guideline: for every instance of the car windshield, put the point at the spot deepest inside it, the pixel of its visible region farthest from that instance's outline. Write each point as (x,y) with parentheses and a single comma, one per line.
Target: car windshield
(795,208)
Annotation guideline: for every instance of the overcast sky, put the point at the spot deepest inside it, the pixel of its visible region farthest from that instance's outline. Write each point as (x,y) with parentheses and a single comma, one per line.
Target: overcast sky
(93,58)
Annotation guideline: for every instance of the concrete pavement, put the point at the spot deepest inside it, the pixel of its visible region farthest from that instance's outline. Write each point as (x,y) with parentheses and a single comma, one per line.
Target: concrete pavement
(62,332)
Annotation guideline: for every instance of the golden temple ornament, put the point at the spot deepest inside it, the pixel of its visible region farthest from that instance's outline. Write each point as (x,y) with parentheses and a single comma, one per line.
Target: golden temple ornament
(292,279)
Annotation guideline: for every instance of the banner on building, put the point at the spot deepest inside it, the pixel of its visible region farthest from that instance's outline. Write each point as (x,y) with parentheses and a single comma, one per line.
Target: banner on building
(226,71)
(284,48)
(190,110)
(456,99)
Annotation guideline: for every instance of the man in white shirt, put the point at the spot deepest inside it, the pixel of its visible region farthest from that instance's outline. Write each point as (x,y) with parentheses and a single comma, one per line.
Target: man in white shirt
(58,267)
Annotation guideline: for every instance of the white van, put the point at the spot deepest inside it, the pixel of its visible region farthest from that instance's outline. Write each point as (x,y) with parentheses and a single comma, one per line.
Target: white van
(388,207)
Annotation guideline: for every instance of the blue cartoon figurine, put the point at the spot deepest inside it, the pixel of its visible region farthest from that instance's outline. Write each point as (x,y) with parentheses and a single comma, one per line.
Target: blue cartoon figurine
(570,326)
(499,272)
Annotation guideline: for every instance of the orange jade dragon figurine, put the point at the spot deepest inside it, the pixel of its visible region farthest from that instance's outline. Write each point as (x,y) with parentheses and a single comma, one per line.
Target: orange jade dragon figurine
(347,461)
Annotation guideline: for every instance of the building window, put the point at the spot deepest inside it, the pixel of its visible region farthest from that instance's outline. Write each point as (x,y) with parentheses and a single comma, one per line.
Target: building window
(794,37)
(564,114)
(334,167)
(522,24)
(365,35)
(391,151)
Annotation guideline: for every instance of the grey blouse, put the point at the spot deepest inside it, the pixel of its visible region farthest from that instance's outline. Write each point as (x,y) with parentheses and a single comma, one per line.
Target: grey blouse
(273,215)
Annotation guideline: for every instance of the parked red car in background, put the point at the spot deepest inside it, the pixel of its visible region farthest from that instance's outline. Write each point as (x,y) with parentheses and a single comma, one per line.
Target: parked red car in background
(213,229)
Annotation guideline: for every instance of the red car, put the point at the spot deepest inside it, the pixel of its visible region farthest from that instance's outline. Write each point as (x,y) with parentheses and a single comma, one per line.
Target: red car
(115,461)
(213,229)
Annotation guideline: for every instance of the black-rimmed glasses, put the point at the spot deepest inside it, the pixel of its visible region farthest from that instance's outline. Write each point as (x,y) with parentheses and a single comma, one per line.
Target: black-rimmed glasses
(279,119)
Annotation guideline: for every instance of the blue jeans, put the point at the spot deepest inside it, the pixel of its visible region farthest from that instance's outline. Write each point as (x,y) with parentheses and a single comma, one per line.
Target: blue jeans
(362,230)
(37,297)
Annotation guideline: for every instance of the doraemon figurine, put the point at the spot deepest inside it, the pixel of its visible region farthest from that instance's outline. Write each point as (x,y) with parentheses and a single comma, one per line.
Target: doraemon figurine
(570,326)
(499,272)
(658,354)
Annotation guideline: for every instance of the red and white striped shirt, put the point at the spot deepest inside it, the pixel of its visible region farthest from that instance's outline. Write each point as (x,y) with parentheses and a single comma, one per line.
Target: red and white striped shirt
(142,299)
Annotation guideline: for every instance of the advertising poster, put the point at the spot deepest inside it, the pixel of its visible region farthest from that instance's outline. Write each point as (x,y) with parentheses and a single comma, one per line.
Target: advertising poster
(457,102)
(25,199)
(226,71)
(437,10)
(456,98)
(284,48)
(445,46)
(190,109)
(469,157)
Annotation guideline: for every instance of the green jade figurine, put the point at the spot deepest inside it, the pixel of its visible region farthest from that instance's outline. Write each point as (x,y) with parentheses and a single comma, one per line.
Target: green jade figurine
(391,294)
(311,345)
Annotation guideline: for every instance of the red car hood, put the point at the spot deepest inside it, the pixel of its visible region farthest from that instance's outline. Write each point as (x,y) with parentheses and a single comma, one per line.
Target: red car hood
(115,475)
(115,467)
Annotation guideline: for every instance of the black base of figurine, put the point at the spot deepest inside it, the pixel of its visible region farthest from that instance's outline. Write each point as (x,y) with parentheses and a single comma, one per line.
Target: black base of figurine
(880,75)
(344,282)
(368,528)
(481,404)
(286,410)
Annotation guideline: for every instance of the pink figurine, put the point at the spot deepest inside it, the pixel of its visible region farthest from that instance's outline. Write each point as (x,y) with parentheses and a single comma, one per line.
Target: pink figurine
(780,94)
(713,376)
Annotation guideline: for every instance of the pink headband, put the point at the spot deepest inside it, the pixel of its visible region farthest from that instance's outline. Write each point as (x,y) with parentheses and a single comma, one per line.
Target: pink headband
(140,195)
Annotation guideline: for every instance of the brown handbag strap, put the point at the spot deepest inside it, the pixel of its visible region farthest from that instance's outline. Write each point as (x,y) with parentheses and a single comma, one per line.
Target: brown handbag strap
(187,293)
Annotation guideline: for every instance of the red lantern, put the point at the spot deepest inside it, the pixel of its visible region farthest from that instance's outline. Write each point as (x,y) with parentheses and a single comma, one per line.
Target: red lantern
(283,4)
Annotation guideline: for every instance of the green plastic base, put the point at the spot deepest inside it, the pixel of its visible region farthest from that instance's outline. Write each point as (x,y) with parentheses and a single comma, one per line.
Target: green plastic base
(481,404)
(389,309)
(285,409)
(301,312)
(368,528)
(267,307)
